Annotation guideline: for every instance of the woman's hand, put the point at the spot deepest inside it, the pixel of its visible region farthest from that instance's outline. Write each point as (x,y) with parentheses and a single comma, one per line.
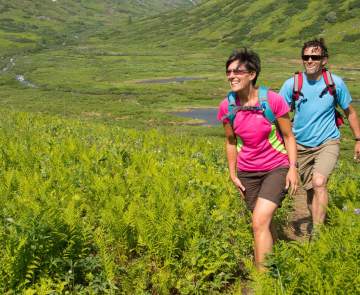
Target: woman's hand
(292,180)
(238,185)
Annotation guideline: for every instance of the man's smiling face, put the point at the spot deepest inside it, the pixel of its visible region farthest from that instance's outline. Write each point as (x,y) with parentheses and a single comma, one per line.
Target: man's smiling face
(313,61)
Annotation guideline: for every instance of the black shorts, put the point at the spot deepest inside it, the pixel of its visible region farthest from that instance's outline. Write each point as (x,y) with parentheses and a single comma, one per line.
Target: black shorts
(269,185)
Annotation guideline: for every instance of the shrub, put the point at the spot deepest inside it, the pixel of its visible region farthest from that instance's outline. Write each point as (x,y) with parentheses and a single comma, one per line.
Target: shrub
(354,5)
(331,17)
(351,38)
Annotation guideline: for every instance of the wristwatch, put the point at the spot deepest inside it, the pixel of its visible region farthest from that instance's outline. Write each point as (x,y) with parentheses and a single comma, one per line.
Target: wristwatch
(294,164)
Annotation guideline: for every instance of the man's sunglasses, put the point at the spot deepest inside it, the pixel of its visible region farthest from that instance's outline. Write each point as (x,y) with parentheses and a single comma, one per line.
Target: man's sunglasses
(236,72)
(306,57)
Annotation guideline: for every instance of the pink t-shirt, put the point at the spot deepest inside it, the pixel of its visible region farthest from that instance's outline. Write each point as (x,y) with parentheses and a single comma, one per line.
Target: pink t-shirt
(260,146)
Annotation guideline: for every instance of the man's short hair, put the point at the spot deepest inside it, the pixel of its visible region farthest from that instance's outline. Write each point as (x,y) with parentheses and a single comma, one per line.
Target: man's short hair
(248,58)
(320,43)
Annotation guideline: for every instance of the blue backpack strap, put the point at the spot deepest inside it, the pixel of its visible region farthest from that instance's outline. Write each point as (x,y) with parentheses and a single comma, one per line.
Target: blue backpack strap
(231,97)
(264,103)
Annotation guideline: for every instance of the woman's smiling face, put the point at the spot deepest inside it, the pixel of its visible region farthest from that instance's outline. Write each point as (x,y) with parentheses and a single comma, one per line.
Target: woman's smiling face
(239,76)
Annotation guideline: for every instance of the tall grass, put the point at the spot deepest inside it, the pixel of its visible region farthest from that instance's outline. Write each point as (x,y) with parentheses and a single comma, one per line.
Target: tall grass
(330,263)
(92,209)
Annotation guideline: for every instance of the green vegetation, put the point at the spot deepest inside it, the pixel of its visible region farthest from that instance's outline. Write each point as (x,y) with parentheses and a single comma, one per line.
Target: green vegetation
(230,23)
(93,67)
(94,209)
(91,207)
(37,24)
(330,264)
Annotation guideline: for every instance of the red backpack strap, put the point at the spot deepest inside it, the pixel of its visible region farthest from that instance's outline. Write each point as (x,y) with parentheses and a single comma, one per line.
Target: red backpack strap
(298,82)
(331,87)
(329,81)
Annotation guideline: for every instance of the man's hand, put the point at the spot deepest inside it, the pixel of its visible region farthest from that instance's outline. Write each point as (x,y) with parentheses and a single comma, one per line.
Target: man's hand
(357,152)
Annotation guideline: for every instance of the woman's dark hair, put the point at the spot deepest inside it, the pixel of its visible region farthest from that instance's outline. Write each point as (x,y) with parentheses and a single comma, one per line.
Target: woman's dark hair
(248,58)
(320,43)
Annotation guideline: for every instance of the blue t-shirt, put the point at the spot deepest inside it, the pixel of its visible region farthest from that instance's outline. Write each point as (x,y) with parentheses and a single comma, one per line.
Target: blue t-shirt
(314,120)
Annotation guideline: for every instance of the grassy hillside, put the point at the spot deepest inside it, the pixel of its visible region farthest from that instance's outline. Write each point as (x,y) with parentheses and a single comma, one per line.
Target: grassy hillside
(91,208)
(273,24)
(279,25)
(93,61)
(35,24)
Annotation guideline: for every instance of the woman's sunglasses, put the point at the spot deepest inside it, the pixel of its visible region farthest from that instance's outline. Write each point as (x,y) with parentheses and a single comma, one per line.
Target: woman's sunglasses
(236,72)
(306,57)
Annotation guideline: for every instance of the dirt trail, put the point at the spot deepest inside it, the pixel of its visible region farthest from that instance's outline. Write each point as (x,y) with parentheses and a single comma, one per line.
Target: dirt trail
(299,226)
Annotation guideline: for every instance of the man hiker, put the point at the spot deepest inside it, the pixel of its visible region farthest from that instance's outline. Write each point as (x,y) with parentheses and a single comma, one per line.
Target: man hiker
(314,95)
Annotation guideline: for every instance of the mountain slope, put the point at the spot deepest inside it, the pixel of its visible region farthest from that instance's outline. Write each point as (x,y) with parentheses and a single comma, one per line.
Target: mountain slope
(26,24)
(234,22)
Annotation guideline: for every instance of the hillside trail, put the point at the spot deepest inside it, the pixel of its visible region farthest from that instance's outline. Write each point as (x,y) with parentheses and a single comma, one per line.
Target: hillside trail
(299,226)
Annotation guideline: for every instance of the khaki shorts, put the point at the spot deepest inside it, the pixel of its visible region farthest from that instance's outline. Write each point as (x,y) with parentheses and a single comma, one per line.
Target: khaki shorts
(321,159)
(268,185)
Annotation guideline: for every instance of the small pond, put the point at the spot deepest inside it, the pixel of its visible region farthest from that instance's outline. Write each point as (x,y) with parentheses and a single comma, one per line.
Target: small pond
(208,115)
(170,80)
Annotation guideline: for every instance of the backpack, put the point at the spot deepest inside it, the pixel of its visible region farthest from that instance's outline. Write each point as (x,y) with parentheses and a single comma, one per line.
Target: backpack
(263,101)
(330,87)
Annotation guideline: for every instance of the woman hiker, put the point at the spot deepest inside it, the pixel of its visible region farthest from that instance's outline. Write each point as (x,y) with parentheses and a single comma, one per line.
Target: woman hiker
(260,146)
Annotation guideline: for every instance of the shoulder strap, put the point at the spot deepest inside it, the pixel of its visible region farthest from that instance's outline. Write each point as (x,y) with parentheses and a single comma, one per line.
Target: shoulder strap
(298,83)
(264,103)
(329,81)
(331,87)
(231,97)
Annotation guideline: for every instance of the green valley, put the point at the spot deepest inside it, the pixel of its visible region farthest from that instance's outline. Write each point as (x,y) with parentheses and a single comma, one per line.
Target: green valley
(104,190)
